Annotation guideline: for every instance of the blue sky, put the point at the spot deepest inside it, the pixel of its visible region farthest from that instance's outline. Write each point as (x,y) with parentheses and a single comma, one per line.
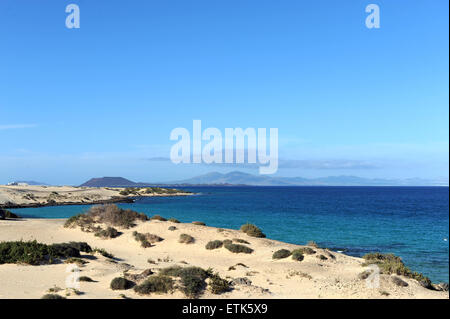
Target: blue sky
(102,100)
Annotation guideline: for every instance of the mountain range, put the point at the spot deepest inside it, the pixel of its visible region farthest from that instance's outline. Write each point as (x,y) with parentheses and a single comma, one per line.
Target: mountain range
(241,178)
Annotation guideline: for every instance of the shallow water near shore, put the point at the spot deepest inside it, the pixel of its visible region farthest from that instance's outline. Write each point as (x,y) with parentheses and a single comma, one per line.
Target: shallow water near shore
(412,222)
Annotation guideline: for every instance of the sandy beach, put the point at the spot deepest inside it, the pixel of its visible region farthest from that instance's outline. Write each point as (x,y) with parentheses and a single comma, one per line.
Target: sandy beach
(12,196)
(255,275)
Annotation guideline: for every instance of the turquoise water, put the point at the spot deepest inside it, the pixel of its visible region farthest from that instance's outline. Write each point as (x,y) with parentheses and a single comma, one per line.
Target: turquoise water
(412,222)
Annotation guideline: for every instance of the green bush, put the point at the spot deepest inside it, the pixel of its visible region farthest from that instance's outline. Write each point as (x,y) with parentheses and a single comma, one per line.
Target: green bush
(322,257)
(236,248)
(312,244)
(85,279)
(103,252)
(108,214)
(241,241)
(297,255)
(282,253)
(52,296)
(157,217)
(120,283)
(74,260)
(391,264)
(307,251)
(109,232)
(34,253)
(4,213)
(174,220)
(142,239)
(219,285)
(214,244)
(199,223)
(172,228)
(192,278)
(252,230)
(186,239)
(155,284)
(399,282)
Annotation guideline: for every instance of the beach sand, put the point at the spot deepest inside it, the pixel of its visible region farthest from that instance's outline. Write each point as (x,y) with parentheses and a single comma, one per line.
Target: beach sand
(284,278)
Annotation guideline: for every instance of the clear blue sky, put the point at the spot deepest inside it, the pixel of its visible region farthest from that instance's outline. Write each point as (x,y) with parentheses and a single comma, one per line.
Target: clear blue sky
(102,100)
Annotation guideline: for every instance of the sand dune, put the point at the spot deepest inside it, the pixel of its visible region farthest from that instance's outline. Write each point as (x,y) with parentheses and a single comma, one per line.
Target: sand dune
(257,274)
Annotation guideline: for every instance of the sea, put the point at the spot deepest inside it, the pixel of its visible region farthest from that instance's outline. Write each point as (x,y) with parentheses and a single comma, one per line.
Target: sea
(411,222)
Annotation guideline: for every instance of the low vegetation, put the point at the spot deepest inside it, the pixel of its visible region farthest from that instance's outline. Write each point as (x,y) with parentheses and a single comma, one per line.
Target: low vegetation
(297,255)
(86,279)
(399,282)
(158,217)
(186,239)
(174,220)
(312,244)
(52,296)
(391,264)
(142,239)
(120,283)
(214,244)
(199,223)
(192,279)
(282,253)
(77,261)
(105,214)
(252,230)
(322,257)
(219,285)
(241,241)
(4,214)
(172,228)
(307,251)
(108,233)
(237,248)
(34,253)
(155,284)
(103,252)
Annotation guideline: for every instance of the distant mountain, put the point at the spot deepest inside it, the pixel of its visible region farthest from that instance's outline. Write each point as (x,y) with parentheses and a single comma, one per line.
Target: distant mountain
(240,178)
(109,182)
(31,183)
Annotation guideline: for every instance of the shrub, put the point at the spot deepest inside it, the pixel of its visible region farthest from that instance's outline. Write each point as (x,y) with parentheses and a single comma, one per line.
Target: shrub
(81,246)
(155,284)
(219,285)
(241,241)
(322,257)
(391,264)
(192,278)
(312,244)
(186,239)
(113,215)
(74,260)
(109,232)
(172,228)
(282,253)
(297,255)
(103,252)
(399,282)
(214,244)
(120,283)
(108,214)
(174,220)
(4,213)
(236,248)
(142,239)
(199,223)
(52,296)
(85,279)
(307,251)
(252,230)
(365,274)
(34,253)
(157,217)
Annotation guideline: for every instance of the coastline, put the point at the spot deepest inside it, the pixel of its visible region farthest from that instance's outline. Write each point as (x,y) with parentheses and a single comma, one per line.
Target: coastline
(256,275)
(43,196)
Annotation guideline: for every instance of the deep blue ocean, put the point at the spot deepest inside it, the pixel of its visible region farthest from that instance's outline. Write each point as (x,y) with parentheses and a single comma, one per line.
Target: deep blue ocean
(412,222)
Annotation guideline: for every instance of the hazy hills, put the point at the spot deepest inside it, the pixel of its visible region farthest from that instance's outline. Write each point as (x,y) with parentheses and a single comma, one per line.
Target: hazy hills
(240,178)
